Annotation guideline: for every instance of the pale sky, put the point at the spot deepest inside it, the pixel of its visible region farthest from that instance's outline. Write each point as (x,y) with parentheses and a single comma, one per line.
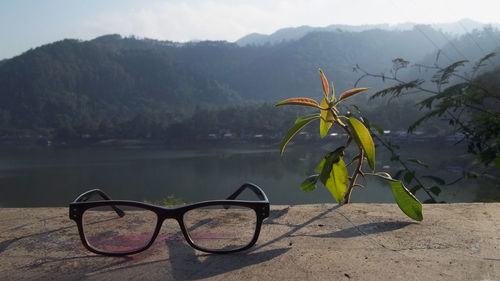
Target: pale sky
(26,24)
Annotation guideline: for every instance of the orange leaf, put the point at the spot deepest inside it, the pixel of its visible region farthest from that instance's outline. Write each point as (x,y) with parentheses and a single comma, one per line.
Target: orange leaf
(325,83)
(351,93)
(299,101)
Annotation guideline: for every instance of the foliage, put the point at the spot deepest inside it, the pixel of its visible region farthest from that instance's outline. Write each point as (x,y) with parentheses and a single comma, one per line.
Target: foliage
(408,174)
(170,201)
(332,170)
(468,102)
(216,121)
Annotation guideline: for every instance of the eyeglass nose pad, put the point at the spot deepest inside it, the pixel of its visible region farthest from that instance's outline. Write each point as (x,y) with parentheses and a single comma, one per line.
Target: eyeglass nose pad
(170,231)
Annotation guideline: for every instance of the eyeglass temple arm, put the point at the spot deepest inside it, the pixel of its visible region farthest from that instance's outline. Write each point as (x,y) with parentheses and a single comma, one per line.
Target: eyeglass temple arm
(251,186)
(86,195)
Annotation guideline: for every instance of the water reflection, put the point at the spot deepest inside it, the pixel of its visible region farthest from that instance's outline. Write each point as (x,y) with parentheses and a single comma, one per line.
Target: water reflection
(54,177)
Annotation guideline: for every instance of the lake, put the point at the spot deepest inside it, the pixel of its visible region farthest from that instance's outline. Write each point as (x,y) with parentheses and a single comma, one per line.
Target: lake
(47,176)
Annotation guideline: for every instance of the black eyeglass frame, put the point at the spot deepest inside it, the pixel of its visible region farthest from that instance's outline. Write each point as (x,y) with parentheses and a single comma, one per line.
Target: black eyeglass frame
(79,206)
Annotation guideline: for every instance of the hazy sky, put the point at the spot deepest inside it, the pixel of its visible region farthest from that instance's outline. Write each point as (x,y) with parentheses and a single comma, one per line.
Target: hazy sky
(25,24)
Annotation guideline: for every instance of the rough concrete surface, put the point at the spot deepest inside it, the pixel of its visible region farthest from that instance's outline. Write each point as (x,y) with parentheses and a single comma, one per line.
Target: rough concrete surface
(303,242)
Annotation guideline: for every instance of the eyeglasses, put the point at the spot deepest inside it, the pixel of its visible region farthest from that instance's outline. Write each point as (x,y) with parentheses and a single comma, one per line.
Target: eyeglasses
(120,227)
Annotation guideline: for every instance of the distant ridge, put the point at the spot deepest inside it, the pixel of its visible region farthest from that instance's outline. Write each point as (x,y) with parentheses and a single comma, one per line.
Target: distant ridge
(294,33)
(125,87)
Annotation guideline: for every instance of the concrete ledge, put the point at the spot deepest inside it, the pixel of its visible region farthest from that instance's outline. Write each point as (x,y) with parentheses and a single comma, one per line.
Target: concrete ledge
(304,242)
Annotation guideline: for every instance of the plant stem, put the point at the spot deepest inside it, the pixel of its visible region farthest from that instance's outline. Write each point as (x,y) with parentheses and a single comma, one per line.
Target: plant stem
(352,182)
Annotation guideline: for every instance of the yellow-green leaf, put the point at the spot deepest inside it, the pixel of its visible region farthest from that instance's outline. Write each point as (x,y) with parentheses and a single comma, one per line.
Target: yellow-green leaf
(299,124)
(320,166)
(326,119)
(325,83)
(299,101)
(364,139)
(325,166)
(333,173)
(351,92)
(407,202)
(337,180)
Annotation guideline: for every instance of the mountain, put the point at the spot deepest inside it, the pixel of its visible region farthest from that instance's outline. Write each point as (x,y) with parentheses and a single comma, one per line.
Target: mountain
(294,33)
(126,87)
(463,26)
(290,68)
(101,85)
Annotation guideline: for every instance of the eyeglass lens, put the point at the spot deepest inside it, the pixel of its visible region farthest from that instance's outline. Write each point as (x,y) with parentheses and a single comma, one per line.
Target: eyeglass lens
(221,228)
(107,232)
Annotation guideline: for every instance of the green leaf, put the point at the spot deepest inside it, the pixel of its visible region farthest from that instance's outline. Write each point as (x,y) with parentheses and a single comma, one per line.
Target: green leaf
(399,173)
(320,166)
(408,177)
(437,180)
(363,138)
(483,59)
(399,89)
(378,128)
(325,166)
(337,180)
(394,157)
(443,75)
(333,173)
(352,160)
(416,161)
(366,122)
(300,123)
(309,184)
(326,119)
(355,107)
(436,190)
(497,161)
(414,189)
(406,201)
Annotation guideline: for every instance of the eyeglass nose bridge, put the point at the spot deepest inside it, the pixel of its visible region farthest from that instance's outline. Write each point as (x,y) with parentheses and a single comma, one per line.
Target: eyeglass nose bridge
(170,215)
(166,214)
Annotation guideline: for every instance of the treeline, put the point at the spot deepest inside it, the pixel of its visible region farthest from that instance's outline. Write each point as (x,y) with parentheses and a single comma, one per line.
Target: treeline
(115,87)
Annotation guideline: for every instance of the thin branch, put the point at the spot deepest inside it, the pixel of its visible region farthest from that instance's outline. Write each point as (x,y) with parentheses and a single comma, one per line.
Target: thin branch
(404,166)
(391,78)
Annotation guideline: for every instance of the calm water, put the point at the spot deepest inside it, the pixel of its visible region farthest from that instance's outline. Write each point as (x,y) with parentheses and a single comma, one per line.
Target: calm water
(55,176)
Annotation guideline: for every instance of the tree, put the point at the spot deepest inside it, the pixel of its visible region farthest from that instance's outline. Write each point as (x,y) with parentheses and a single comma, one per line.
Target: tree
(469,102)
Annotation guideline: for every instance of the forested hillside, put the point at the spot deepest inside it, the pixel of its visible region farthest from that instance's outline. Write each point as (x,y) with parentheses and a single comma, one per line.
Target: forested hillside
(294,33)
(126,87)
